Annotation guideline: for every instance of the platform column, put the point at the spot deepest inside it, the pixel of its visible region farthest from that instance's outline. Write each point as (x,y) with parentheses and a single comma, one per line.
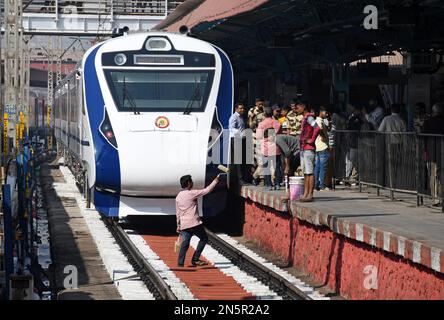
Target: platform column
(340,86)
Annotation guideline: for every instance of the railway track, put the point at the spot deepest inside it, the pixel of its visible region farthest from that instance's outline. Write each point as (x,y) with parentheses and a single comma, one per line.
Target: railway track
(276,282)
(161,290)
(155,284)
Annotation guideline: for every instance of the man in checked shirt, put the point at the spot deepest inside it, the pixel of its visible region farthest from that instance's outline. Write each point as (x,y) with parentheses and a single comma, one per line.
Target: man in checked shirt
(188,219)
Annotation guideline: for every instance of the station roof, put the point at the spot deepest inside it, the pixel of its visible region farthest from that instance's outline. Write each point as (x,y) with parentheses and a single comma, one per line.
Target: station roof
(298,32)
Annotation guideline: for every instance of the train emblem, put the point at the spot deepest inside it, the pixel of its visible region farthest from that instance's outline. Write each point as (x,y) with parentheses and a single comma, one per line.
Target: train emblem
(162,122)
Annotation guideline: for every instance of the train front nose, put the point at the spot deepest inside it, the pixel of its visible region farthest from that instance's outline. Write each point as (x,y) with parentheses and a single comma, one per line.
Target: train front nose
(153,161)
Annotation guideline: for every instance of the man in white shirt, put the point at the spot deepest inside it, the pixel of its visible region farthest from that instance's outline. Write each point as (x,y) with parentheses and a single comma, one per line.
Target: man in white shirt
(322,149)
(393,122)
(236,125)
(393,125)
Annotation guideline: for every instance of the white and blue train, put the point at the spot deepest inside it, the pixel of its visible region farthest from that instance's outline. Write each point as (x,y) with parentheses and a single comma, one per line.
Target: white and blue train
(139,112)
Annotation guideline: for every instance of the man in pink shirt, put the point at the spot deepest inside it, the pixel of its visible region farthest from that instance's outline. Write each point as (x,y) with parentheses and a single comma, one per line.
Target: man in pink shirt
(188,219)
(267,130)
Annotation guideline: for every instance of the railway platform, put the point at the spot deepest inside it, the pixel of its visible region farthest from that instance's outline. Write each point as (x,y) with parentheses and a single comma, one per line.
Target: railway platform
(358,244)
(73,245)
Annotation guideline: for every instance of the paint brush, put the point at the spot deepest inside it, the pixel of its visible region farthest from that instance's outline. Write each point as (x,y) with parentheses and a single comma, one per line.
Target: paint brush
(223,169)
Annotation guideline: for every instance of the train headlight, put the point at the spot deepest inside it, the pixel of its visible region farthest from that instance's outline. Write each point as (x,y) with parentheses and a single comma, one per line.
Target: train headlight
(158,44)
(120,59)
(107,131)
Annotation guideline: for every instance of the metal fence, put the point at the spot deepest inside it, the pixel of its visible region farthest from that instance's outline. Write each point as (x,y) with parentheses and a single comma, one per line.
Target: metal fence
(112,7)
(398,162)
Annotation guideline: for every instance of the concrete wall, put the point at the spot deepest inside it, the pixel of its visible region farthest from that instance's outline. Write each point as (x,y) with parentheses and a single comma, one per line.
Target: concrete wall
(355,270)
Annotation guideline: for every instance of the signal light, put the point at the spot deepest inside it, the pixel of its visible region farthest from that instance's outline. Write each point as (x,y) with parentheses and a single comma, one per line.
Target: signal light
(107,131)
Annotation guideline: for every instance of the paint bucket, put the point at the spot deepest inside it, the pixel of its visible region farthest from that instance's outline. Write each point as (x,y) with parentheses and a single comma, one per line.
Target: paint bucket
(296,188)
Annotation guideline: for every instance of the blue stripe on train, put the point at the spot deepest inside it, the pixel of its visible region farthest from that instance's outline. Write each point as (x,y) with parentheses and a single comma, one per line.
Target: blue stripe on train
(225,97)
(106,157)
(214,203)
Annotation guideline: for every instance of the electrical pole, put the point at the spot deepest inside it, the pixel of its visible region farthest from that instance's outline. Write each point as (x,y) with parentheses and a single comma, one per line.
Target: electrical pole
(59,61)
(13,39)
(50,91)
(23,111)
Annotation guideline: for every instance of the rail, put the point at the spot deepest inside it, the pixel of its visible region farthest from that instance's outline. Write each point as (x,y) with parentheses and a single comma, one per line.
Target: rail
(275,281)
(149,275)
(400,162)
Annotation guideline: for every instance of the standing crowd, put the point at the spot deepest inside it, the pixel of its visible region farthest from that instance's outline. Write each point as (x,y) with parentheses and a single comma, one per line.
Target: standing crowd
(298,139)
(288,140)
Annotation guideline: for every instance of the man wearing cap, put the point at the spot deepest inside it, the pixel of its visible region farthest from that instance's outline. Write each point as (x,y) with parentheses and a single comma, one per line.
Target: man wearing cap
(188,219)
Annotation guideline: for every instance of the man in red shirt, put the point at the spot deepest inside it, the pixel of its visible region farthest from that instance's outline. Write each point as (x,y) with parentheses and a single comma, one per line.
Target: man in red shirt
(309,133)
(188,219)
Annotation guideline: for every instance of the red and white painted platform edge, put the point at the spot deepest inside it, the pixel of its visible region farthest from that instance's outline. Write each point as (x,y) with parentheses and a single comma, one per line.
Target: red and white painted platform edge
(272,199)
(409,249)
(114,260)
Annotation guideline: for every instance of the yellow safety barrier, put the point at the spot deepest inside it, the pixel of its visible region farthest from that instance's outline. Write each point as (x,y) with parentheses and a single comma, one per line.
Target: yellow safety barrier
(21,125)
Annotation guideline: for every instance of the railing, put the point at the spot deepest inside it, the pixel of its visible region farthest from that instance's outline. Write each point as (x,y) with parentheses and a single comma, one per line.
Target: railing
(397,162)
(102,7)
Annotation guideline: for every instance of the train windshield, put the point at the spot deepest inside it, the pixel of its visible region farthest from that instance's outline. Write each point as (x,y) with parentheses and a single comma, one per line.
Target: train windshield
(160,90)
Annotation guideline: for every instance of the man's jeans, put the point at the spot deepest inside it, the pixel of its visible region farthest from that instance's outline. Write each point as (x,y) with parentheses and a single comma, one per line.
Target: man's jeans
(186,235)
(321,168)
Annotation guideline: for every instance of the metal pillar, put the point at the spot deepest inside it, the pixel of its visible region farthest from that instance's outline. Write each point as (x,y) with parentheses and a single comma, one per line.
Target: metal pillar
(50,93)
(59,61)
(13,37)
(2,144)
(24,86)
